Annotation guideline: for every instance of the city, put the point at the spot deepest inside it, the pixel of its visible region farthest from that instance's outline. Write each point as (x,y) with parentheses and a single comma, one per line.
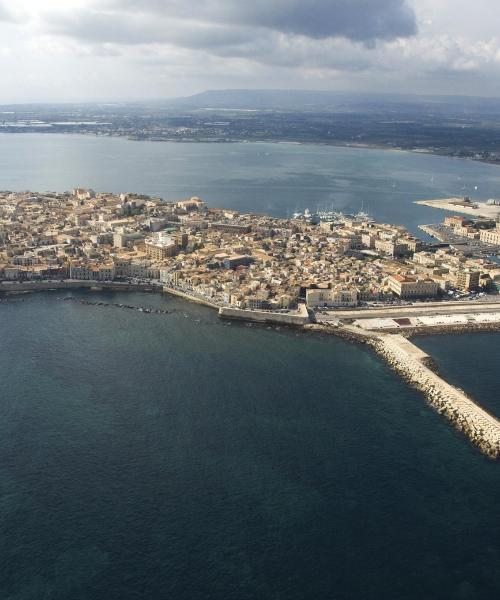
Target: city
(244,261)
(249,300)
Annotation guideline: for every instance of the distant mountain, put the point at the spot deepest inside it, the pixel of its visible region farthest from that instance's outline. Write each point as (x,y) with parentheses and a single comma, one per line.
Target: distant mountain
(265,99)
(328,100)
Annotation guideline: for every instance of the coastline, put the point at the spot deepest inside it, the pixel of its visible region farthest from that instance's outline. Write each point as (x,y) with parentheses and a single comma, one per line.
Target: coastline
(392,346)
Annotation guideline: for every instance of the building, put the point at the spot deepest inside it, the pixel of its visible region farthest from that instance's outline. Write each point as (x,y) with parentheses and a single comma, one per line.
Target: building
(230,227)
(391,248)
(92,272)
(160,246)
(455,221)
(122,240)
(411,287)
(237,260)
(336,297)
(491,236)
(191,204)
(468,281)
(254,303)
(83,194)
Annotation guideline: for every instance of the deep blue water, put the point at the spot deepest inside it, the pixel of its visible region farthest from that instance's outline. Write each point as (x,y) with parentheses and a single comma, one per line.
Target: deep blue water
(258,177)
(175,457)
(171,456)
(470,362)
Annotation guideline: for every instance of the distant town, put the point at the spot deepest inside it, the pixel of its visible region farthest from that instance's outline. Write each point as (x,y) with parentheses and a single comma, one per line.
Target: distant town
(245,261)
(460,126)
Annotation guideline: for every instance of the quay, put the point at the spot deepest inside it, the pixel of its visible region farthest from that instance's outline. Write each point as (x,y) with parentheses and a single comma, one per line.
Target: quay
(297,317)
(447,235)
(457,205)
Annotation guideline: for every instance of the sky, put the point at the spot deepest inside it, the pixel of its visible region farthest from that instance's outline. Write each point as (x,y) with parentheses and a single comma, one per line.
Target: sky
(108,50)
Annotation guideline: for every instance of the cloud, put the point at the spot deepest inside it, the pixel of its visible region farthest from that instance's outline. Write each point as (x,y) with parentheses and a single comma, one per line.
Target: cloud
(321,34)
(115,28)
(175,47)
(218,23)
(6,15)
(357,20)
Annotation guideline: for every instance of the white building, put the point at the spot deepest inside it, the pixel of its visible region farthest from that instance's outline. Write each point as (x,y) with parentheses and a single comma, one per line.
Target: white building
(340,297)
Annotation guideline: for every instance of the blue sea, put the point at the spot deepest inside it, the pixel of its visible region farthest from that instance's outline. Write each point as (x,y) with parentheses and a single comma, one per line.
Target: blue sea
(175,456)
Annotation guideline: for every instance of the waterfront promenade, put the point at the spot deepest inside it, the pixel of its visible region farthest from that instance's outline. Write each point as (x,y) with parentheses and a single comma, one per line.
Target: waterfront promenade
(412,310)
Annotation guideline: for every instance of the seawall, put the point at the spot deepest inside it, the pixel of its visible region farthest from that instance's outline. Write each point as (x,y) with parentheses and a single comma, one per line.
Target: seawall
(74,284)
(482,428)
(296,318)
(189,298)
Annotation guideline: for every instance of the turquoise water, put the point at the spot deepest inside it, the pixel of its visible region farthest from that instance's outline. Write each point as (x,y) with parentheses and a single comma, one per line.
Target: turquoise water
(172,456)
(261,177)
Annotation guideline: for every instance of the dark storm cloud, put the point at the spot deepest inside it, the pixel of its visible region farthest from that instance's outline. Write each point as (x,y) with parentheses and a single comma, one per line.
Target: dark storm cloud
(359,20)
(132,22)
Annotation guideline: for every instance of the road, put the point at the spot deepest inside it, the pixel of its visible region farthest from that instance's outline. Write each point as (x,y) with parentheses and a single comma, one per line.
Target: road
(415,310)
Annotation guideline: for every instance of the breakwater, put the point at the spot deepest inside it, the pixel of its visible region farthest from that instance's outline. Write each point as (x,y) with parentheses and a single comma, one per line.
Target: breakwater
(299,317)
(143,309)
(420,370)
(75,284)
(482,428)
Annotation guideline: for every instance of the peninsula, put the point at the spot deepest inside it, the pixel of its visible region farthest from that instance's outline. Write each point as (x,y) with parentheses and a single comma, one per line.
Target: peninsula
(343,274)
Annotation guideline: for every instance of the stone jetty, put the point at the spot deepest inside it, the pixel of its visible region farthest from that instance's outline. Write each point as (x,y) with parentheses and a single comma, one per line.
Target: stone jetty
(416,367)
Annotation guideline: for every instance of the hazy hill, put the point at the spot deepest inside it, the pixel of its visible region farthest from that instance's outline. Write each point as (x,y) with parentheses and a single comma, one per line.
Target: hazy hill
(333,101)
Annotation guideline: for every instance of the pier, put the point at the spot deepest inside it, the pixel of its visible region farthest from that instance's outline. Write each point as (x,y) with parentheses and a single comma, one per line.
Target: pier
(457,205)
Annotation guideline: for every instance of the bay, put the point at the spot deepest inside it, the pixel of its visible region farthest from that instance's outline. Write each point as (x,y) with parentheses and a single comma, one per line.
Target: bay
(273,178)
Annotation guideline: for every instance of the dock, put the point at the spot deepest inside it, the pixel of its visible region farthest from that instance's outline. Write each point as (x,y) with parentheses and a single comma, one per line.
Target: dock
(457,205)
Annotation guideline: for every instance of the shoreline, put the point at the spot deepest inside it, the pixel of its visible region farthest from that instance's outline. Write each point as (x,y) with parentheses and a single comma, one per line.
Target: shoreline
(416,368)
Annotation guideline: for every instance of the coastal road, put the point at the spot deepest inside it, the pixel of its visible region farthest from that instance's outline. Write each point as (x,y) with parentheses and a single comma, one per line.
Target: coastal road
(422,309)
